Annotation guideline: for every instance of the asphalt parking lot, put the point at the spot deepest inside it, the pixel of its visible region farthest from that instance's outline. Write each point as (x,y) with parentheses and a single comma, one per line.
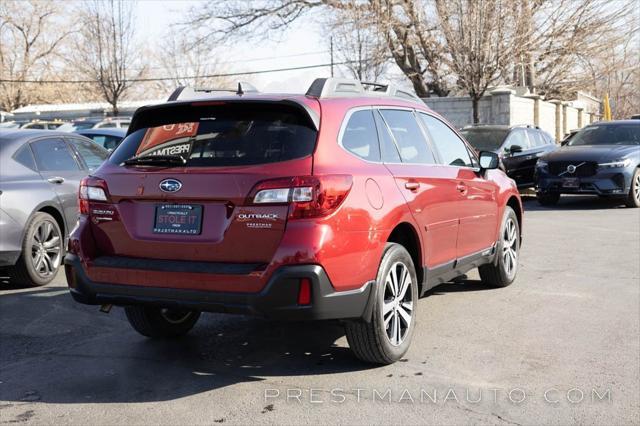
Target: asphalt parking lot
(559,346)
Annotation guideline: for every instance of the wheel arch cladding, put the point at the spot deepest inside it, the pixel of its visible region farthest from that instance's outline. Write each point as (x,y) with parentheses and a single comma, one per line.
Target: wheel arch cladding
(517,208)
(57,216)
(406,235)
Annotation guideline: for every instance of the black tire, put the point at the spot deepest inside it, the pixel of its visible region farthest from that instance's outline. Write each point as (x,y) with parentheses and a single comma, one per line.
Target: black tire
(633,198)
(24,273)
(371,341)
(157,322)
(548,198)
(503,270)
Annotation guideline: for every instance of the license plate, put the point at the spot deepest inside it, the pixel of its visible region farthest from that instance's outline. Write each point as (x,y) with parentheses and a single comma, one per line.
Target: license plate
(570,183)
(183,219)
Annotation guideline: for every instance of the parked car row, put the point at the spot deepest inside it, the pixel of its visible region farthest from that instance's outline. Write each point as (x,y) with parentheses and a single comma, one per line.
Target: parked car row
(79,124)
(166,224)
(601,159)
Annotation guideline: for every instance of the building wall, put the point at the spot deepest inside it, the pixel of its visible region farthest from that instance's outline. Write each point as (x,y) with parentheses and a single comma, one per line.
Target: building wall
(457,111)
(547,120)
(521,110)
(503,106)
(572,119)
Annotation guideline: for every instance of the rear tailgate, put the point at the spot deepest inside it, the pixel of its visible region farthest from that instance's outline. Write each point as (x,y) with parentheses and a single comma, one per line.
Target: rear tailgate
(199,211)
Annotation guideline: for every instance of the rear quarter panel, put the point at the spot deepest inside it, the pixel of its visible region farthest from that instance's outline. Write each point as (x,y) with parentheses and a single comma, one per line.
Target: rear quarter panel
(353,238)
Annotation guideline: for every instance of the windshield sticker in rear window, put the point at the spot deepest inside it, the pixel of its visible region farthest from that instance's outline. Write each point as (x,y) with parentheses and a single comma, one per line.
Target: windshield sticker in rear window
(170,139)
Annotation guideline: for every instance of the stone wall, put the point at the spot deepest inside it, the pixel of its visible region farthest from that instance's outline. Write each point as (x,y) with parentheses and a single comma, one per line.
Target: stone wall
(504,106)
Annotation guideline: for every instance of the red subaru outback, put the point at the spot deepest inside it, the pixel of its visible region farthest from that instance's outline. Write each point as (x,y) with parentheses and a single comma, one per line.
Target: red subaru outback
(344,203)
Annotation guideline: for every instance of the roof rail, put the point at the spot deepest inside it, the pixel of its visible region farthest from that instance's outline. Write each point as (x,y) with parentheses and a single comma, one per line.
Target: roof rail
(346,87)
(184,92)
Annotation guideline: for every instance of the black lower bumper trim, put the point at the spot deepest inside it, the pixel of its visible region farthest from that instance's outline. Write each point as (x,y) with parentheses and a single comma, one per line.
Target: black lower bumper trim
(177,265)
(278,300)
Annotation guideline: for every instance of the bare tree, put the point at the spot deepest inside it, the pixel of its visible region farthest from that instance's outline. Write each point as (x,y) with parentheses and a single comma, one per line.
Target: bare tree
(106,52)
(618,75)
(477,49)
(402,24)
(30,38)
(187,64)
(357,43)
(561,36)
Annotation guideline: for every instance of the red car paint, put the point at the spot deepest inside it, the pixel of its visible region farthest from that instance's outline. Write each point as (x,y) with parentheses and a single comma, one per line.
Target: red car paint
(453,211)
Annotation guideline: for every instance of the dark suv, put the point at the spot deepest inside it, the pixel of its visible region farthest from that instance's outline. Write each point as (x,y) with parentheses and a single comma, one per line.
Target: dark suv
(601,159)
(343,203)
(519,147)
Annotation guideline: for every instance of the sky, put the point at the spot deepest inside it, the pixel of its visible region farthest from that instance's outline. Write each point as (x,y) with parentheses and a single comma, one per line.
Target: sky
(300,45)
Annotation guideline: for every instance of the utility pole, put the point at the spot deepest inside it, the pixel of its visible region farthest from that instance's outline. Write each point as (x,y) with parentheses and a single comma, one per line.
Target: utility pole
(331,53)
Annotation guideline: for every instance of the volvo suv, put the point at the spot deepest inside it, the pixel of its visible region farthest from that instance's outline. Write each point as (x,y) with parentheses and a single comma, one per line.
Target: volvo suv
(343,203)
(601,159)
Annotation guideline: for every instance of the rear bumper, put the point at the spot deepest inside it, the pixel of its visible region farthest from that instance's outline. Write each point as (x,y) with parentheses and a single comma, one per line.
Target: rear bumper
(11,233)
(9,258)
(278,299)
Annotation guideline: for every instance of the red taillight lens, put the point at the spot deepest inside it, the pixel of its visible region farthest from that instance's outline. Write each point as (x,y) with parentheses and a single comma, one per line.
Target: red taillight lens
(308,196)
(304,294)
(91,189)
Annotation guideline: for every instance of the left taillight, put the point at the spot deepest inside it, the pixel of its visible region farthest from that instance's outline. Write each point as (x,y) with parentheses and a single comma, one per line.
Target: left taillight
(92,189)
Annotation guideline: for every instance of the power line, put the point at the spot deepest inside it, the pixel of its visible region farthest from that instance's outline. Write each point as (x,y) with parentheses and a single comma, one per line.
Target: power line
(193,77)
(234,61)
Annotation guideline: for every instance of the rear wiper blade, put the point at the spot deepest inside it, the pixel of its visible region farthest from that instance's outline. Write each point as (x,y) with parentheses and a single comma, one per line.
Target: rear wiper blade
(152,160)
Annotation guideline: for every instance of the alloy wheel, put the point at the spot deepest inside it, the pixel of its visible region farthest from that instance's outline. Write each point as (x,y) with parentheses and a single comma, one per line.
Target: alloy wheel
(510,247)
(46,249)
(637,187)
(397,304)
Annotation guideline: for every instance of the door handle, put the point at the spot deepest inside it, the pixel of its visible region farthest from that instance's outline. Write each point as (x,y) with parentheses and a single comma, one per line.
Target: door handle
(412,186)
(461,187)
(56,179)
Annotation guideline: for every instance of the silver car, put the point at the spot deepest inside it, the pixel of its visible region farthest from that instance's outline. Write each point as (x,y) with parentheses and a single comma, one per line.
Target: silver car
(40,172)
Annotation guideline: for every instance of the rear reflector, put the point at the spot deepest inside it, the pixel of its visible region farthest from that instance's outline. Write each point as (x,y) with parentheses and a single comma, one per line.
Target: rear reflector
(304,295)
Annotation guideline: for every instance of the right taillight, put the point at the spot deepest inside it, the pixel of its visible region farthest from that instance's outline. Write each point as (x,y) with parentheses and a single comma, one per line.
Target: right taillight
(91,189)
(307,196)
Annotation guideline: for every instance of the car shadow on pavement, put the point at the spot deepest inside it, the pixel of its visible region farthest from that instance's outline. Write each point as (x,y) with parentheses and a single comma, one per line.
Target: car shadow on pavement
(575,202)
(56,351)
(458,286)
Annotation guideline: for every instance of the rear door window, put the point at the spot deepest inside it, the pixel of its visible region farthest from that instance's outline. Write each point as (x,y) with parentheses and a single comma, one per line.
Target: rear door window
(360,136)
(91,154)
(53,155)
(25,157)
(411,142)
(221,136)
(517,137)
(535,138)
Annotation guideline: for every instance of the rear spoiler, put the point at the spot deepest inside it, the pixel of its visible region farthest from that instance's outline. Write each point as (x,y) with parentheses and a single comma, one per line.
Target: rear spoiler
(148,116)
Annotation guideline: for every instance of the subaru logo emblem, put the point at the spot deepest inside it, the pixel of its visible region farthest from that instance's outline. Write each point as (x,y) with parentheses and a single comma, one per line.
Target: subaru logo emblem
(571,168)
(170,185)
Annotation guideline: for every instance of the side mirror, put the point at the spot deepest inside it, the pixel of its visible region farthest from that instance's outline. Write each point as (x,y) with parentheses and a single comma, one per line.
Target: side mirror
(489,160)
(515,149)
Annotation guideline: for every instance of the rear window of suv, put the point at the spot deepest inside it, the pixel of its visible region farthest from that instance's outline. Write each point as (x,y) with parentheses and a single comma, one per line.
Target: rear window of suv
(222,136)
